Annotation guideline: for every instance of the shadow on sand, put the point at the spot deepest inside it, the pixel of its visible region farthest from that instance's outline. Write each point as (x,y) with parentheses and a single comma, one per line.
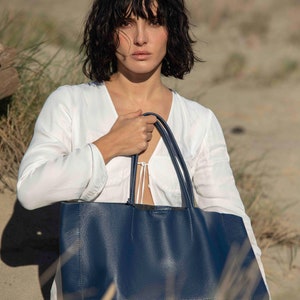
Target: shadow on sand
(31,238)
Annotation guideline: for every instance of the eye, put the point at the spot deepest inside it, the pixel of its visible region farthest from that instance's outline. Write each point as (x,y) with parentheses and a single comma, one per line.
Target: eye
(126,23)
(154,22)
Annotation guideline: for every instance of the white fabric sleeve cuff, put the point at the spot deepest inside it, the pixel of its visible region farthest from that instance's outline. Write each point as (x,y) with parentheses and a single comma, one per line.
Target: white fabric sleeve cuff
(98,176)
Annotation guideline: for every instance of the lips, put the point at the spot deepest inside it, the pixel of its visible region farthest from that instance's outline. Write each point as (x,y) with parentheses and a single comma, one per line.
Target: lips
(141,55)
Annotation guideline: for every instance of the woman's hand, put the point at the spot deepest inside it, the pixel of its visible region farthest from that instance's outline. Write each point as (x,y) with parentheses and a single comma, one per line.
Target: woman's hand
(130,135)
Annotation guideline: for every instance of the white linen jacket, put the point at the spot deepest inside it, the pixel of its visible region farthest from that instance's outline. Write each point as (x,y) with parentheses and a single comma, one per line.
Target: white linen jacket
(62,164)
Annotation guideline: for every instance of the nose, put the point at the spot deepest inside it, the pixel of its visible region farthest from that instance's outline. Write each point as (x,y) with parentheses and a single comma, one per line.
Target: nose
(141,35)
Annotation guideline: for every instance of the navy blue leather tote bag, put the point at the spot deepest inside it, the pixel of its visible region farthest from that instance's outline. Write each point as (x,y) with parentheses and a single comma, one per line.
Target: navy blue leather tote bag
(156,252)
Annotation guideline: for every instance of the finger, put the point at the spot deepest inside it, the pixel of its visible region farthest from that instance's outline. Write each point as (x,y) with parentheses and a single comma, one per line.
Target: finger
(149,136)
(150,127)
(143,146)
(133,115)
(150,119)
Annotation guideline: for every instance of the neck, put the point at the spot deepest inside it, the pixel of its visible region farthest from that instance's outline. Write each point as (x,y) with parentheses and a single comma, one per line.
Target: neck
(137,91)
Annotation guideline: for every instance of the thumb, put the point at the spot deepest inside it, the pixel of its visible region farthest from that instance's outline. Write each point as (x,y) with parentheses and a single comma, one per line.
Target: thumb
(133,115)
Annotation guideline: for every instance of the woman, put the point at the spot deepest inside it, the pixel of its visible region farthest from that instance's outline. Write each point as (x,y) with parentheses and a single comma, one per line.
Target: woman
(92,129)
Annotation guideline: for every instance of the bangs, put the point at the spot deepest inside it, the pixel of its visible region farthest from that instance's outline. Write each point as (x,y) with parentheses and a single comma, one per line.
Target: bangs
(145,9)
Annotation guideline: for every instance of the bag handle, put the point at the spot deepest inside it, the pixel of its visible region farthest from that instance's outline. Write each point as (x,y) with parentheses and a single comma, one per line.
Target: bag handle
(179,164)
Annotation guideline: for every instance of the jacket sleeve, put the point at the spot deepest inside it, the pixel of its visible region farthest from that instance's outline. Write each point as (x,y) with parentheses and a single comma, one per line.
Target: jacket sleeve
(214,182)
(51,169)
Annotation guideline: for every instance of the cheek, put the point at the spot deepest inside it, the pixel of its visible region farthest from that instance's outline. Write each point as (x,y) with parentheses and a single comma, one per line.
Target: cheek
(163,37)
(124,42)
(163,40)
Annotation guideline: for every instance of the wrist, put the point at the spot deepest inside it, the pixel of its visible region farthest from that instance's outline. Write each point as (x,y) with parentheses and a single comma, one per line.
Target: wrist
(107,148)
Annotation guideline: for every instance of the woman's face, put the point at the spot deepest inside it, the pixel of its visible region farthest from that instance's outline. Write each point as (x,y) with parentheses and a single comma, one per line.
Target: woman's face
(142,46)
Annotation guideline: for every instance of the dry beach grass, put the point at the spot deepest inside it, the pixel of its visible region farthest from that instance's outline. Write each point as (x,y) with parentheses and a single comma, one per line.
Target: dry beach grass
(249,80)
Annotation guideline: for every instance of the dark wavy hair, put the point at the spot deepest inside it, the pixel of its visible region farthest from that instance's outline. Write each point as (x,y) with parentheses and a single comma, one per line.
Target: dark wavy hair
(99,40)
